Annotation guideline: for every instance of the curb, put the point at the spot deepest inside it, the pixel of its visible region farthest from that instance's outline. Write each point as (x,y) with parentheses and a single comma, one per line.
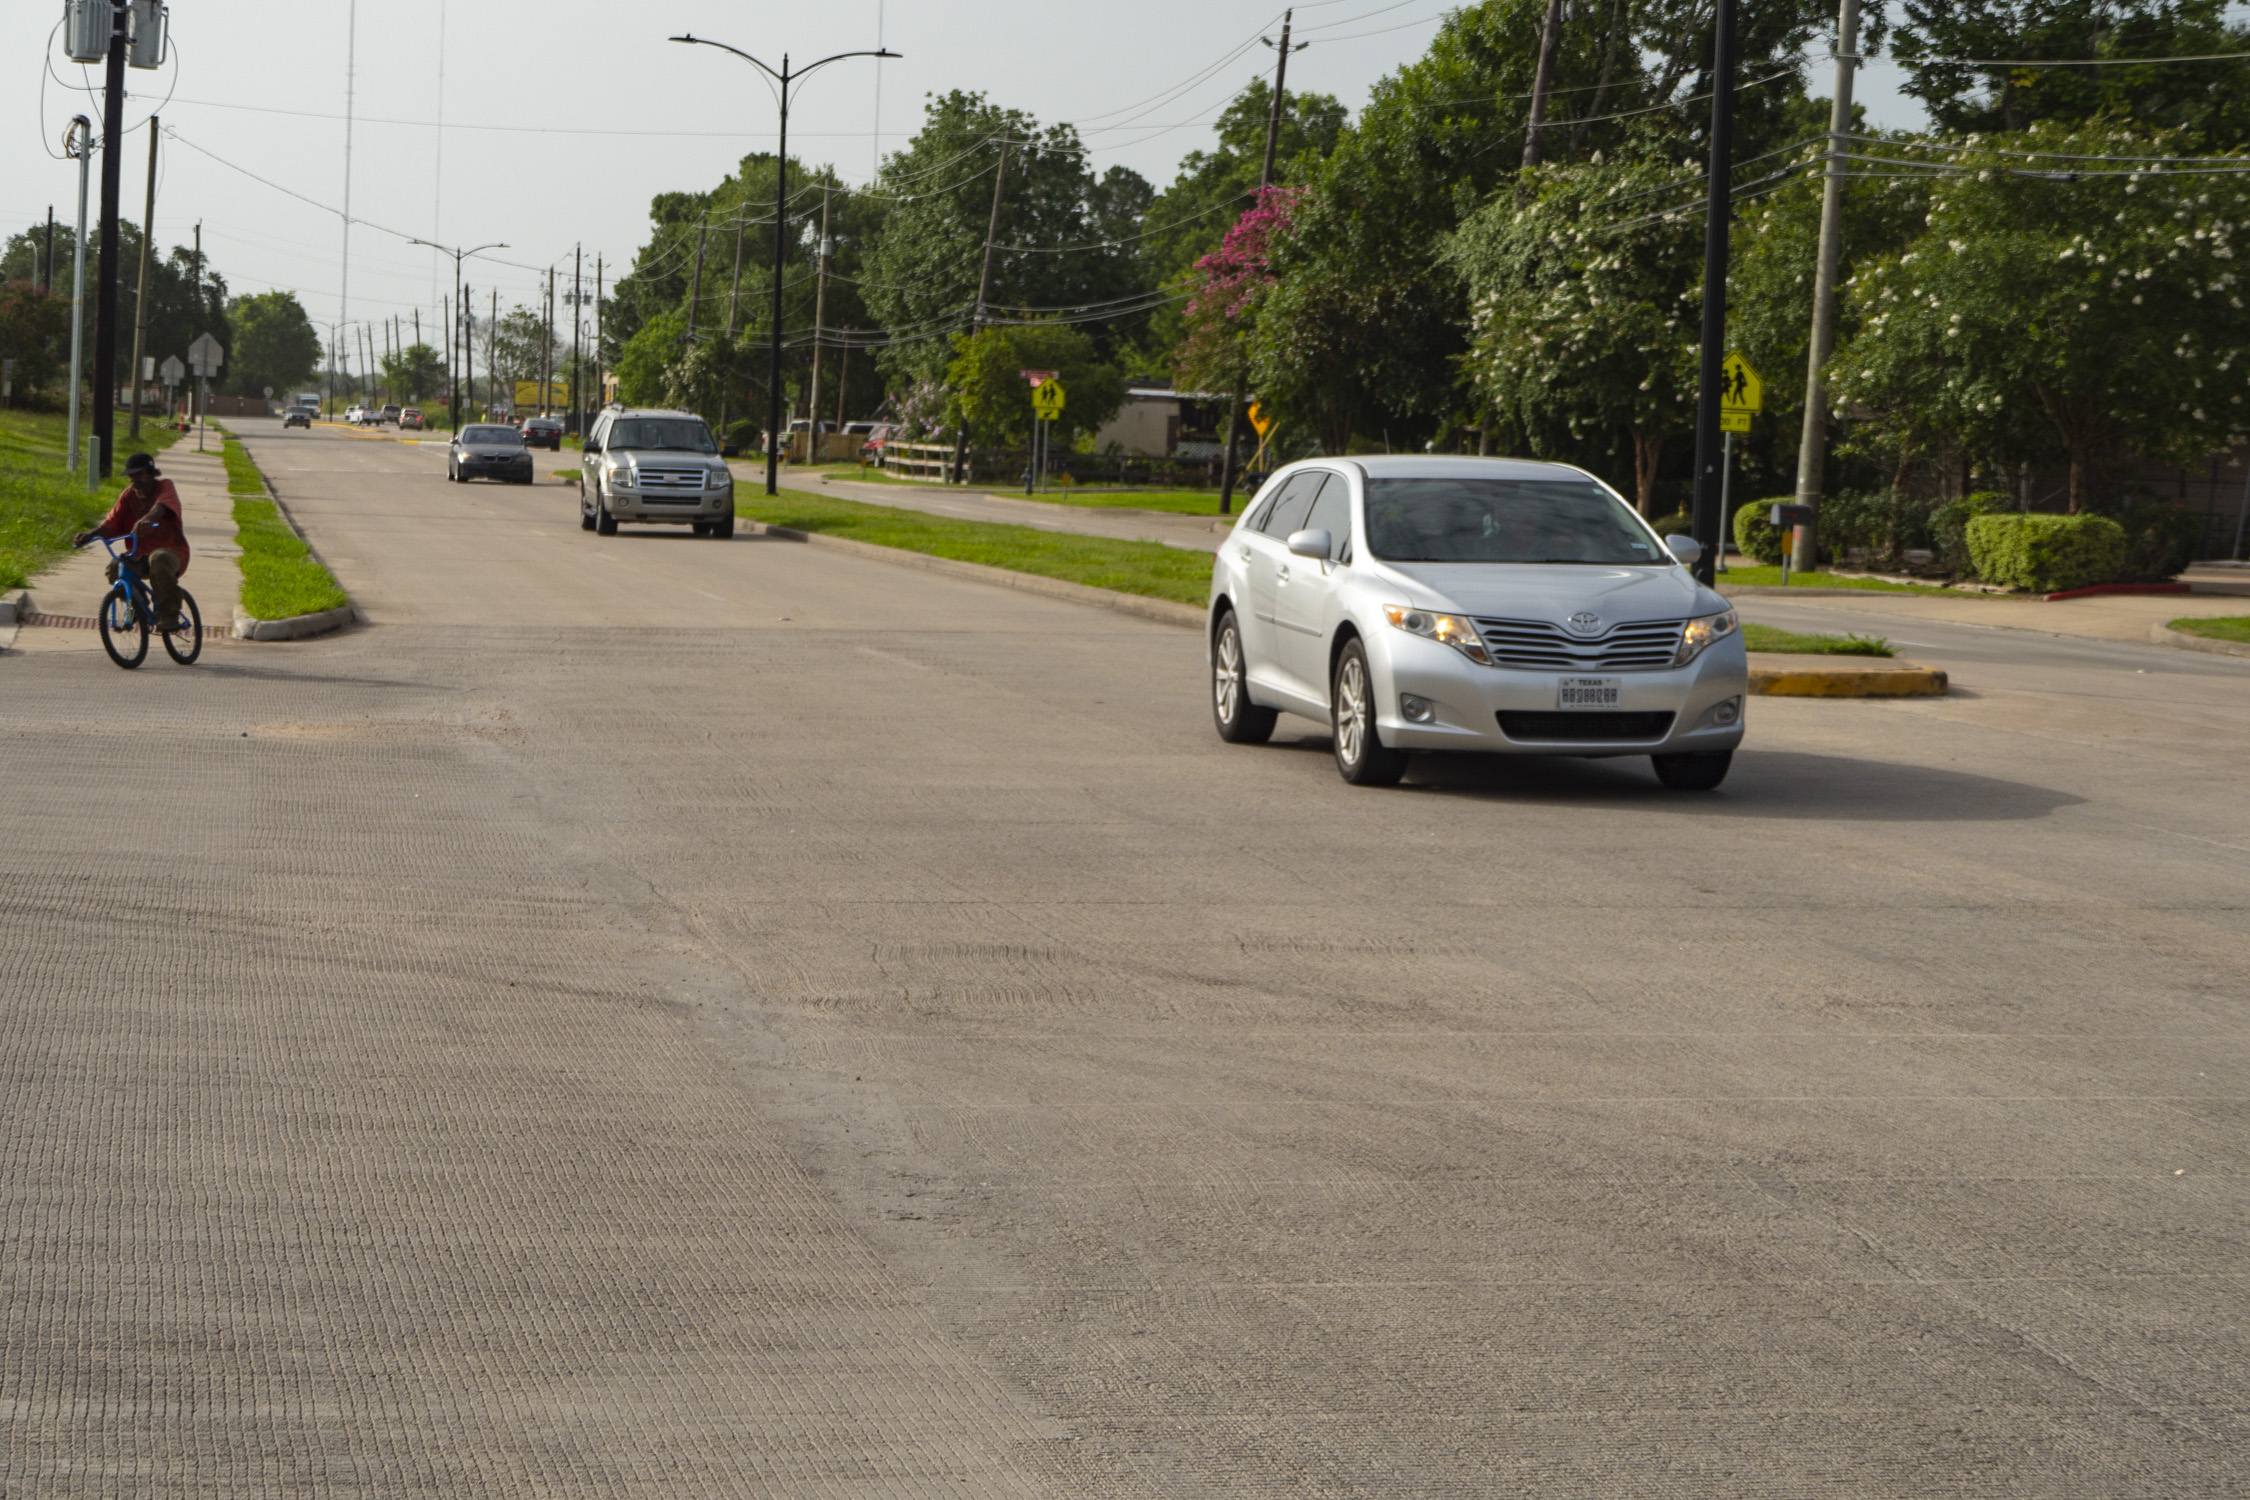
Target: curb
(2165,635)
(1731,590)
(1162,611)
(1904,680)
(294,627)
(2098,589)
(17,607)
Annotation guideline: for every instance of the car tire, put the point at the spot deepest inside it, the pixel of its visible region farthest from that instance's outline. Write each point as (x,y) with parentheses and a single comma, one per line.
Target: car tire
(722,529)
(1694,770)
(605,524)
(1361,756)
(1239,721)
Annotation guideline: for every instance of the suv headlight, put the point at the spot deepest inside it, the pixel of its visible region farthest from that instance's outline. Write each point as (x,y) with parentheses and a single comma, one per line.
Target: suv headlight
(1703,632)
(1446,630)
(719,479)
(618,470)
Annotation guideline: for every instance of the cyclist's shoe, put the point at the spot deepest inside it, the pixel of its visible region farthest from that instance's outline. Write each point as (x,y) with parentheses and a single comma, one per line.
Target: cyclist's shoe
(168,624)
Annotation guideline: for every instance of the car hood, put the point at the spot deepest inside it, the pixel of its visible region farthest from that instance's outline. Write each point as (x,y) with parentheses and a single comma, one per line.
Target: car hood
(1556,591)
(665,458)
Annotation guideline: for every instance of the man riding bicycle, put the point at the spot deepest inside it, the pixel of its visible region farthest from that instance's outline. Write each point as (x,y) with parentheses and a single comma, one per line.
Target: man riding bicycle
(150,510)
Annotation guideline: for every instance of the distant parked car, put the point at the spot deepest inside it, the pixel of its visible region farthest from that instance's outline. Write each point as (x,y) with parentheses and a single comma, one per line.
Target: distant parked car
(389,413)
(410,419)
(488,451)
(352,414)
(542,432)
(878,438)
(297,416)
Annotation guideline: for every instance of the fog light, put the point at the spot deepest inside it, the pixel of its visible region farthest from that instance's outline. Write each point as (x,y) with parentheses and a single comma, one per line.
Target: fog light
(1416,710)
(1727,712)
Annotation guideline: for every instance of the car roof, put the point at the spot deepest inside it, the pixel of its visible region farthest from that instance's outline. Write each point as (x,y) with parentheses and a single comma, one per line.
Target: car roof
(651,411)
(1454,466)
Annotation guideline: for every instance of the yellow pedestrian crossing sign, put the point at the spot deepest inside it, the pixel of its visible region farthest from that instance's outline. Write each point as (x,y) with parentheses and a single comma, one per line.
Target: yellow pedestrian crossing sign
(1047,400)
(1741,393)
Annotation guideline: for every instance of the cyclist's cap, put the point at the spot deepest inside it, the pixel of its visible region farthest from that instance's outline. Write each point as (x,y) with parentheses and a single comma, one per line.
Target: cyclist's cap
(141,463)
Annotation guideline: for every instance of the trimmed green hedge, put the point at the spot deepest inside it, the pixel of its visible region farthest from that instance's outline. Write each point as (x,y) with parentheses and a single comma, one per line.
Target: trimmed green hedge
(2046,554)
(1753,535)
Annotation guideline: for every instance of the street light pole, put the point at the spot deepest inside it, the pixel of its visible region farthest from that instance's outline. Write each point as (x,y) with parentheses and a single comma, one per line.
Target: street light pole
(780,231)
(1710,526)
(460,309)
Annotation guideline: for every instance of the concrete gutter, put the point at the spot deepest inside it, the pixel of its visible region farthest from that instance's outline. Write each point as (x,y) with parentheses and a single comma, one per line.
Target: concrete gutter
(1163,611)
(1784,674)
(2165,635)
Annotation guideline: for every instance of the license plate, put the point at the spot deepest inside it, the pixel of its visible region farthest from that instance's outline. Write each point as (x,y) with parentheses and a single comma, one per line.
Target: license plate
(1587,692)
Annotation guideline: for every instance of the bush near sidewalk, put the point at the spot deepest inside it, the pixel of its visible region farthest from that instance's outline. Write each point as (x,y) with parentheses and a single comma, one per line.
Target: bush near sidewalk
(280,576)
(2045,554)
(42,505)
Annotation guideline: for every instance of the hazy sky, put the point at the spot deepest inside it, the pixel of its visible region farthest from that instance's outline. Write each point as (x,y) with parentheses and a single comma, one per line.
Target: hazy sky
(562,118)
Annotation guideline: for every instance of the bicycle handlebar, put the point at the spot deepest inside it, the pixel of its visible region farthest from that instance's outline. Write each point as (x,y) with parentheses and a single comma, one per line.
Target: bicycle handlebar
(132,538)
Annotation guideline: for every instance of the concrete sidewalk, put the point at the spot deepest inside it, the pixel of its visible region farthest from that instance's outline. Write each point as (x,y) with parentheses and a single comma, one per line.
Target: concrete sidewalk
(1123,523)
(2108,617)
(74,586)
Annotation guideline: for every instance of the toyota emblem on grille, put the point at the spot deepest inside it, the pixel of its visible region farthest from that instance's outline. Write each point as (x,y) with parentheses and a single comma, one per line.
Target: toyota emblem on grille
(1585,622)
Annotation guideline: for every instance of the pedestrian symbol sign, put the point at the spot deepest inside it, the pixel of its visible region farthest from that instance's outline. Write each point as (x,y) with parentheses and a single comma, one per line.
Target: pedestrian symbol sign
(1741,393)
(1047,400)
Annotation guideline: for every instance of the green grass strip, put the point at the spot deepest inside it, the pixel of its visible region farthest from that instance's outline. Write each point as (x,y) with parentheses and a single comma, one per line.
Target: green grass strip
(1773,638)
(2216,627)
(1094,496)
(1147,568)
(42,505)
(280,576)
(1753,574)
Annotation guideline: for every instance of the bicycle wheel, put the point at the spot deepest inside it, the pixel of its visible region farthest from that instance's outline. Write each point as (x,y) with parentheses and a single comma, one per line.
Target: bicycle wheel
(186,644)
(124,627)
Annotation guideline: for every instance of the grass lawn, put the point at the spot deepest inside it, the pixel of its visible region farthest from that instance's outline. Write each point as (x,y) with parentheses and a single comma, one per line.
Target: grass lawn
(280,576)
(2217,628)
(1147,568)
(41,504)
(1752,573)
(1773,638)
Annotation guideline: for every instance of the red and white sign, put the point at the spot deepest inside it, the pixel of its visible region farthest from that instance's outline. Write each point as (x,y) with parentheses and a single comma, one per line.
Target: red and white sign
(1037,377)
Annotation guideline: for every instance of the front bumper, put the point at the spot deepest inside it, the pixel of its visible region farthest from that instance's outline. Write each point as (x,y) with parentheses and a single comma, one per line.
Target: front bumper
(676,506)
(1700,706)
(494,468)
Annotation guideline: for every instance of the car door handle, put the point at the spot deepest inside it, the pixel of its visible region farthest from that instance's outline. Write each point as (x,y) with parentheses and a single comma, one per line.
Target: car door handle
(1281,574)
(1246,554)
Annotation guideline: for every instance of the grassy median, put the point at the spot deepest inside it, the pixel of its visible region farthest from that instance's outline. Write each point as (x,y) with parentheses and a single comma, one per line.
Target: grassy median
(2216,627)
(280,576)
(1147,568)
(1753,574)
(42,505)
(1773,638)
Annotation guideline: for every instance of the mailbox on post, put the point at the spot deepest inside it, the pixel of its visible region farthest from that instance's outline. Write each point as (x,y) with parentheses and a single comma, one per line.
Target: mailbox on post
(1786,517)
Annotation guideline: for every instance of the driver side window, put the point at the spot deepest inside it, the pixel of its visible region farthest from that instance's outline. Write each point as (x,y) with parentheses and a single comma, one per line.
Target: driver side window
(1290,506)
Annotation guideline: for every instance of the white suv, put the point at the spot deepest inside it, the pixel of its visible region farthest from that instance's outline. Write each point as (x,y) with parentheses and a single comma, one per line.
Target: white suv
(661,467)
(1497,605)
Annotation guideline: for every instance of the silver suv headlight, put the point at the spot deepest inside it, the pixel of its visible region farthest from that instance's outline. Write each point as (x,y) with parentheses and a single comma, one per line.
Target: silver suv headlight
(719,479)
(1446,630)
(1702,632)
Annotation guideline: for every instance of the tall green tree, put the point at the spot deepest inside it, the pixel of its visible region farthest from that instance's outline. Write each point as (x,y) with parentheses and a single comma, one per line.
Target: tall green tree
(414,375)
(987,376)
(35,333)
(274,343)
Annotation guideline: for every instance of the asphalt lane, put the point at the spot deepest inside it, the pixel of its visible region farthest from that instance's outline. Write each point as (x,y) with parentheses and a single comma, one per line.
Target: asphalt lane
(663,1016)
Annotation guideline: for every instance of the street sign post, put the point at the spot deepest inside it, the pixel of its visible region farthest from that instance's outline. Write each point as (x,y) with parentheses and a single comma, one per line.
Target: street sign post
(1047,400)
(1742,394)
(1046,405)
(204,357)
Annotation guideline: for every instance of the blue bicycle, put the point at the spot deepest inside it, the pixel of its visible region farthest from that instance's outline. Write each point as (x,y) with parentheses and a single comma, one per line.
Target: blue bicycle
(128,615)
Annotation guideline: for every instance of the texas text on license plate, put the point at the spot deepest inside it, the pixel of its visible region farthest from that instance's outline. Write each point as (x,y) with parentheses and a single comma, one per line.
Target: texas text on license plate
(1587,692)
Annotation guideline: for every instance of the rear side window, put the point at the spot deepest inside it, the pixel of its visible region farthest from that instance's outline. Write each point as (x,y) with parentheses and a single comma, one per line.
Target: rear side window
(1289,508)
(1332,513)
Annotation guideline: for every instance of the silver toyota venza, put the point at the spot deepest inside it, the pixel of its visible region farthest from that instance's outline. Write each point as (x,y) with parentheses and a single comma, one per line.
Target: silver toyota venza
(1496,605)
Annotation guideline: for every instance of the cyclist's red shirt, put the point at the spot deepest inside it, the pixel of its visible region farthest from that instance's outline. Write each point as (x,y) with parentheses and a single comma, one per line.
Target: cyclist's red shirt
(169,534)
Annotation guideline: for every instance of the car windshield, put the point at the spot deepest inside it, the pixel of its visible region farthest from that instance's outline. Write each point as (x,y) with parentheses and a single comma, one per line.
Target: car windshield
(682,434)
(1502,521)
(502,436)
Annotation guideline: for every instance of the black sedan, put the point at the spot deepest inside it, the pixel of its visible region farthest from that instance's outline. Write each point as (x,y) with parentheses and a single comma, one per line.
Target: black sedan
(488,451)
(542,432)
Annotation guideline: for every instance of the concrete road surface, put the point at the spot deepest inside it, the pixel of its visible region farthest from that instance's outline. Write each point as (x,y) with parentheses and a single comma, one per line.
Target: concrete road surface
(654,1016)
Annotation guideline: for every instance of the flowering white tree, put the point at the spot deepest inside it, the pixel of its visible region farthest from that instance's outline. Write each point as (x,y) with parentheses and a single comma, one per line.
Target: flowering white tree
(2067,296)
(1584,306)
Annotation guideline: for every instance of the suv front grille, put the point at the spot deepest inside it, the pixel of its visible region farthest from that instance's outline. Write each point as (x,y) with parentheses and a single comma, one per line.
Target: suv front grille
(1584,726)
(646,478)
(1639,646)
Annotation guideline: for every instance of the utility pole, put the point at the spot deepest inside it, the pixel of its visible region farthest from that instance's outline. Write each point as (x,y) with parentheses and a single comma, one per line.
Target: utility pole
(1238,395)
(734,291)
(1812,447)
(601,379)
(1708,522)
(547,349)
(47,286)
(468,353)
(105,290)
(452,387)
(1541,79)
(492,356)
(780,230)
(984,289)
(140,298)
(577,340)
(695,285)
(820,313)
(79,143)
(351,83)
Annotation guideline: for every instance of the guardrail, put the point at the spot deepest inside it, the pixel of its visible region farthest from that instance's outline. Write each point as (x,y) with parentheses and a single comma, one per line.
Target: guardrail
(930,463)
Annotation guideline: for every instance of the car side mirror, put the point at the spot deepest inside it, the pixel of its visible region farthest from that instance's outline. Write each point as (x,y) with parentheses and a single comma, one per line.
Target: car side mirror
(1312,543)
(592,446)
(1684,547)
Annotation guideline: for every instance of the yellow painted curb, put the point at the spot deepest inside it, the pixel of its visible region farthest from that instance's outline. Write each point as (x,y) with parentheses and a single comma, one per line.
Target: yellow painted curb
(1816,680)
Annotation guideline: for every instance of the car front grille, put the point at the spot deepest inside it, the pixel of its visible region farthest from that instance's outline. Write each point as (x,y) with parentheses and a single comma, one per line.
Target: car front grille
(646,479)
(1639,646)
(1584,727)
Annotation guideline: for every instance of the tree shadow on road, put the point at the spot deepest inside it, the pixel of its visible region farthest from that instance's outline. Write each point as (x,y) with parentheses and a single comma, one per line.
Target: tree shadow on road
(1784,784)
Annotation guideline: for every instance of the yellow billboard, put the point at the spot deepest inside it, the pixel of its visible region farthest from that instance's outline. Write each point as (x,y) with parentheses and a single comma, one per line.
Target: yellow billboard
(558,395)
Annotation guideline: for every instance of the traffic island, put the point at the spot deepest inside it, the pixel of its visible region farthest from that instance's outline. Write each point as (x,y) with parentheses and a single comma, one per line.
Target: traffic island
(1791,675)
(2218,635)
(288,594)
